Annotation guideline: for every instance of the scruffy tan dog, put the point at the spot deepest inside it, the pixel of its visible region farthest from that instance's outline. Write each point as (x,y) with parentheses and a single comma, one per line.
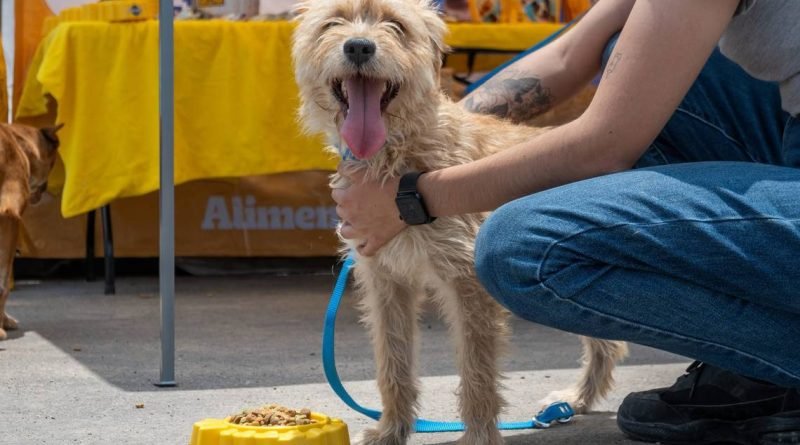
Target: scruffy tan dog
(368,72)
(26,157)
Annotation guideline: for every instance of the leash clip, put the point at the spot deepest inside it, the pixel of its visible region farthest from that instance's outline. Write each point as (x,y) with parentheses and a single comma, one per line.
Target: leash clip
(559,412)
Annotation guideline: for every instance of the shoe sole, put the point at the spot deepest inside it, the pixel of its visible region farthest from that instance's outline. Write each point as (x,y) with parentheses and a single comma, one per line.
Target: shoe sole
(783,429)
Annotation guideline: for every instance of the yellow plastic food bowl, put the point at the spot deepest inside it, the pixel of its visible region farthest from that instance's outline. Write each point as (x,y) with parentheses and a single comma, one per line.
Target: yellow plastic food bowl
(326,431)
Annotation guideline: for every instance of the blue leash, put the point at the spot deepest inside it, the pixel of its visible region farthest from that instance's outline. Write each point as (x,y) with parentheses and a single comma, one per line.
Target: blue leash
(557,412)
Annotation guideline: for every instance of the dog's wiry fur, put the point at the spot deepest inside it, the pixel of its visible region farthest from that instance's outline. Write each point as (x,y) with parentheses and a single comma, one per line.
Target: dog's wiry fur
(26,157)
(425,131)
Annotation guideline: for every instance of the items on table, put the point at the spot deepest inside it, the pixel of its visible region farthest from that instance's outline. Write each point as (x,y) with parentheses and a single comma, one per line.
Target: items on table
(503,11)
(512,11)
(235,9)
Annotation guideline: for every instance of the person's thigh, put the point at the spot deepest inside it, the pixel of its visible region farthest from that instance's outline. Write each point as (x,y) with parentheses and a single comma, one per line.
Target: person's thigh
(701,259)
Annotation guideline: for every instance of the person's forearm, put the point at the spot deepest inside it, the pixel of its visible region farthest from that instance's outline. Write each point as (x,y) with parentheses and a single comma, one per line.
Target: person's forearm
(560,156)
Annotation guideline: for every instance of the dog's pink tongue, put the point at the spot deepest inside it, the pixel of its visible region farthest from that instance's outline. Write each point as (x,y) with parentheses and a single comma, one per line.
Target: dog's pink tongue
(363,128)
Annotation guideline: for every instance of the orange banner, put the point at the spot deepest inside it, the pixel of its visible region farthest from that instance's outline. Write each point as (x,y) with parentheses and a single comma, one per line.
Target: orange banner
(3,90)
(29,20)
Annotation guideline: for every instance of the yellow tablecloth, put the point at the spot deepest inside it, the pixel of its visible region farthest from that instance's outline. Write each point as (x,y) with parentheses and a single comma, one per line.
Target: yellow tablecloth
(235,101)
(508,37)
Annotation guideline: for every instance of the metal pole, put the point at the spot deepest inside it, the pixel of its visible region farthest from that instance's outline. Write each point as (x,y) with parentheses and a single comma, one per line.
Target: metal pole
(166,270)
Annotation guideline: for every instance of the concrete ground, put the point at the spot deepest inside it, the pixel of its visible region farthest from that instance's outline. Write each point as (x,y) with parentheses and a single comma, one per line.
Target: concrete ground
(83,361)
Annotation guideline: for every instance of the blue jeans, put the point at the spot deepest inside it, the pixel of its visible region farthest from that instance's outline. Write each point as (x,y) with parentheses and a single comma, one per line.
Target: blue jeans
(696,251)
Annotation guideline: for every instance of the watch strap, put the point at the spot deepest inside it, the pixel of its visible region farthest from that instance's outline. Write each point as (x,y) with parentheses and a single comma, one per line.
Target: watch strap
(408,182)
(408,188)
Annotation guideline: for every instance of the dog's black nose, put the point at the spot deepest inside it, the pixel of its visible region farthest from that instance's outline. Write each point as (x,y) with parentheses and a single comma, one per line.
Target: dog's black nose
(359,51)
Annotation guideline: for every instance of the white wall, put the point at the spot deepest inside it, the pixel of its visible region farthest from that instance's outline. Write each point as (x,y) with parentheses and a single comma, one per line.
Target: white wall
(276,6)
(57,5)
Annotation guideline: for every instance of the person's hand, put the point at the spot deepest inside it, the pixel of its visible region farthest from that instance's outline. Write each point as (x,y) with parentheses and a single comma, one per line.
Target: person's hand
(367,210)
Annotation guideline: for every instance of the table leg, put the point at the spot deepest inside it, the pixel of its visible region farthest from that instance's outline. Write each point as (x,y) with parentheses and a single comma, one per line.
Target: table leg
(90,219)
(108,250)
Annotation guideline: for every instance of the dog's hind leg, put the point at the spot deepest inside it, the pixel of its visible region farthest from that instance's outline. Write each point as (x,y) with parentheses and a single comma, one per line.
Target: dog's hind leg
(599,359)
(479,329)
(9,225)
(391,312)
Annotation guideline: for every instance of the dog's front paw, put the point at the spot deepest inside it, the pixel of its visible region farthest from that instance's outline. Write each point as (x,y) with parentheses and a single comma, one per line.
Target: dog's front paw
(374,436)
(10,323)
(569,396)
(3,334)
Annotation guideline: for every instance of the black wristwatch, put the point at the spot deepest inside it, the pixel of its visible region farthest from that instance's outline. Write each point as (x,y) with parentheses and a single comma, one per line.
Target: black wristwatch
(410,203)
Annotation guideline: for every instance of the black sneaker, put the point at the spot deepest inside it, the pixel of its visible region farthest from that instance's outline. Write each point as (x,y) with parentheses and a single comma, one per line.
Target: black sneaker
(709,405)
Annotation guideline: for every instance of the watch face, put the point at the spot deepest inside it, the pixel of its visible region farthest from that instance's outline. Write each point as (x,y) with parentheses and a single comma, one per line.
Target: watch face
(411,210)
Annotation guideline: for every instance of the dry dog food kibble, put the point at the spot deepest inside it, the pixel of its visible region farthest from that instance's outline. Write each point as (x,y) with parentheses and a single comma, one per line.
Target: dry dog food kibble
(272,415)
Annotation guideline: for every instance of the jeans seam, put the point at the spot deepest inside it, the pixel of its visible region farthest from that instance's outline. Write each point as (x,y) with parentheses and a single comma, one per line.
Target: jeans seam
(631,324)
(654,146)
(553,244)
(718,128)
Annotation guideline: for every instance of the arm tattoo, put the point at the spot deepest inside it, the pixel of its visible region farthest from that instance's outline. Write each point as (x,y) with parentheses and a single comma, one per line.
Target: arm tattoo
(612,64)
(512,95)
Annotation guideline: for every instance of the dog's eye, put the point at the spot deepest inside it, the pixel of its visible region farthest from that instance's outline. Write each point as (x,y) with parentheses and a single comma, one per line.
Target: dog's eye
(396,26)
(330,24)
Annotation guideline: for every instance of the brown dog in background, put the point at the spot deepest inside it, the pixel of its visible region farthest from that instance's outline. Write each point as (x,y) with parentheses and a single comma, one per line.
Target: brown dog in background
(27,155)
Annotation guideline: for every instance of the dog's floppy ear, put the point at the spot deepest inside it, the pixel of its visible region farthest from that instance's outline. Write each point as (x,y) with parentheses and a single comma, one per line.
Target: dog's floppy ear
(437,28)
(51,136)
